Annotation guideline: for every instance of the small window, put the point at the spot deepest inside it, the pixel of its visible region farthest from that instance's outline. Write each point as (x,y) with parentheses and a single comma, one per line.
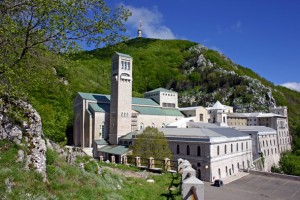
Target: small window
(188,150)
(178,149)
(198,151)
(225,149)
(218,150)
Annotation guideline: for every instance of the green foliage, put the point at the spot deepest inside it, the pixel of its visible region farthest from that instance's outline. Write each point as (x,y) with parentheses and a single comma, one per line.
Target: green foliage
(290,164)
(58,25)
(70,182)
(151,143)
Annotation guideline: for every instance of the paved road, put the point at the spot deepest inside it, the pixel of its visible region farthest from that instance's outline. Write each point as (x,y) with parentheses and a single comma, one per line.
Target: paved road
(254,187)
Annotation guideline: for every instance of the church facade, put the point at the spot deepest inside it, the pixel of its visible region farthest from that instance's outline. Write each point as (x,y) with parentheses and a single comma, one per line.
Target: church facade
(216,141)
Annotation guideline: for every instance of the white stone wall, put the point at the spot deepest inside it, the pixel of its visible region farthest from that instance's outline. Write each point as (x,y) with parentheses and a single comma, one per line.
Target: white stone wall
(155,120)
(207,165)
(269,147)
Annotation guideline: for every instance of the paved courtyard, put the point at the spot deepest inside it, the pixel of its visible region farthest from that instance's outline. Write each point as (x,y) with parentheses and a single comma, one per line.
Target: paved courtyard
(254,187)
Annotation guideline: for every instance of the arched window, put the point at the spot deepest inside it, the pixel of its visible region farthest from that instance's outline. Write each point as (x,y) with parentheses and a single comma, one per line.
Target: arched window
(226,170)
(247,145)
(218,150)
(178,149)
(225,149)
(242,146)
(219,172)
(198,151)
(231,148)
(232,168)
(237,146)
(187,150)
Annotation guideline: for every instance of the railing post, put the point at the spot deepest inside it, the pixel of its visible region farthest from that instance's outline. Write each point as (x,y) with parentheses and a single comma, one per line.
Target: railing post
(167,164)
(112,159)
(179,162)
(151,164)
(137,161)
(101,158)
(124,160)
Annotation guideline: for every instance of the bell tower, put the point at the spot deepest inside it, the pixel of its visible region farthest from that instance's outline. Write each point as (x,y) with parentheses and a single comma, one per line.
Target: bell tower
(121,97)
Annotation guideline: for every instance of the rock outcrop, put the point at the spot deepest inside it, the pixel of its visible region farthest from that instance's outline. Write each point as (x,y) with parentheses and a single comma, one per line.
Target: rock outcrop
(222,82)
(21,123)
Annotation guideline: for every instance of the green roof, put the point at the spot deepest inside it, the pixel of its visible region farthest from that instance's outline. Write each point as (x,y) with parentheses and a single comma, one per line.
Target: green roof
(99,107)
(128,136)
(105,98)
(95,97)
(157,111)
(162,90)
(124,55)
(116,149)
(172,112)
(101,142)
(144,101)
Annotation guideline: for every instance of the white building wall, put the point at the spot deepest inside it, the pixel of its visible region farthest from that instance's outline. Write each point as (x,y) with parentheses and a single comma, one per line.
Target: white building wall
(156,120)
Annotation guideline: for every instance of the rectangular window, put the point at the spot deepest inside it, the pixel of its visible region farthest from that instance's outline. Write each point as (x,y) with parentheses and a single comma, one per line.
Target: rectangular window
(201,117)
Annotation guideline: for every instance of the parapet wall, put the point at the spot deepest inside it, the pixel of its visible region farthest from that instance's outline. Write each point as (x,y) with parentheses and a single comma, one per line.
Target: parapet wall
(275,175)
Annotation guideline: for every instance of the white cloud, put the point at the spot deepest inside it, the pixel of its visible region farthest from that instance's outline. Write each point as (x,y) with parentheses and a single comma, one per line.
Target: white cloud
(292,85)
(152,23)
(237,26)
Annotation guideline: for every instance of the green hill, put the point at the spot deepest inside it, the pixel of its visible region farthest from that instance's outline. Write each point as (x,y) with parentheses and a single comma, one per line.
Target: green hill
(200,75)
(174,64)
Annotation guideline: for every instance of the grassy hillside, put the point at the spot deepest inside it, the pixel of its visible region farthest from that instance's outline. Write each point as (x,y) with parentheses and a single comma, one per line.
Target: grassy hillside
(71,182)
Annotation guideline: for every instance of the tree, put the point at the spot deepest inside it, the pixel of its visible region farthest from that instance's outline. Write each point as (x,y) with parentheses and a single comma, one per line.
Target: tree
(151,143)
(28,26)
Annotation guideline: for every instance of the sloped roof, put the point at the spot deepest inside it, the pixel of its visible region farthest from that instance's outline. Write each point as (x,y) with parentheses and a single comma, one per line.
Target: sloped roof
(95,97)
(124,55)
(99,107)
(105,98)
(145,110)
(259,129)
(114,149)
(161,90)
(144,101)
(101,142)
(218,106)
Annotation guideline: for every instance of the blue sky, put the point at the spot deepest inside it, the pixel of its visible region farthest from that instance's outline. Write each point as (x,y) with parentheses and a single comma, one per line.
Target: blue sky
(263,35)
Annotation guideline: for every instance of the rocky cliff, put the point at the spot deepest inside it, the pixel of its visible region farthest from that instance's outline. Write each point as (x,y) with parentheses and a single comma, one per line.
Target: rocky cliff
(215,78)
(21,123)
